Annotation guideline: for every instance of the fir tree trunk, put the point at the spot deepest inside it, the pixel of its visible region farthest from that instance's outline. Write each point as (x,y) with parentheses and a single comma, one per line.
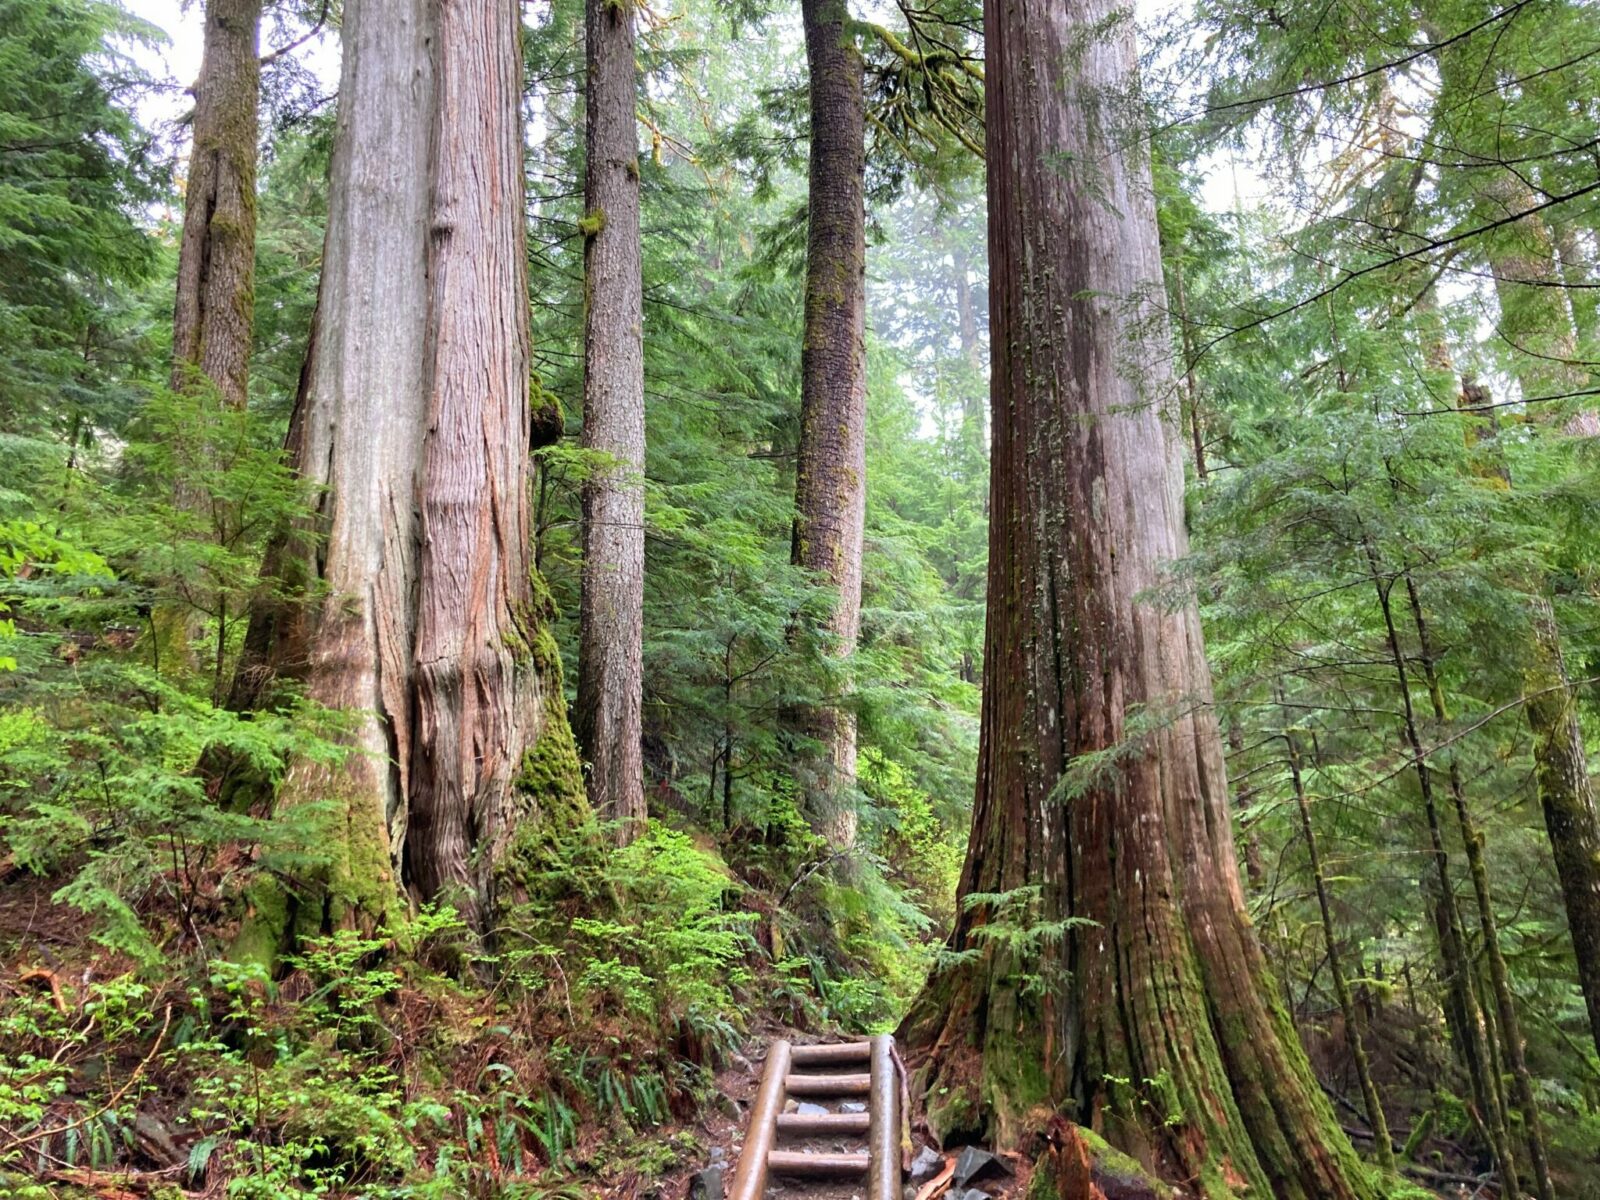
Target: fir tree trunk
(1537,319)
(1479,1049)
(1575,274)
(611,617)
(1567,797)
(831,468)
(1107,966)
(214,312)
(1472,840)
(424,628)
(1383,1146)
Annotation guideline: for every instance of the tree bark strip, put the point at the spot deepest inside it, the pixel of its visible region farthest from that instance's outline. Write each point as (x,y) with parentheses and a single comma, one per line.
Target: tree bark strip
(213,316)
(831,468)
(422,623)
(479,693)
(611,617)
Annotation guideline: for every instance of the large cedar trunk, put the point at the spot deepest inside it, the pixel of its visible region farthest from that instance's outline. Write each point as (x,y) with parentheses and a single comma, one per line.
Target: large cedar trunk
(611,618)
(359,431)
(213,314)
(1107,967)
(831,470)
(479,690)
(412,423)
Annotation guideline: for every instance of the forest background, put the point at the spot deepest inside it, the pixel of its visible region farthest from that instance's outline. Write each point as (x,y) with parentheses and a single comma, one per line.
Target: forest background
(1387,388)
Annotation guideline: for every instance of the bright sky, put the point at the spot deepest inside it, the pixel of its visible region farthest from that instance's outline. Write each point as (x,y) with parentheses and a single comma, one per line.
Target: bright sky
(179,61)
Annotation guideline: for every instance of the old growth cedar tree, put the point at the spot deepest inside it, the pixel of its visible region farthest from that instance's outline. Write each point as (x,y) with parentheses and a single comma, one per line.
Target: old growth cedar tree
(425,625)
(611,613)
(831,468)
(213,313)
(1105,964)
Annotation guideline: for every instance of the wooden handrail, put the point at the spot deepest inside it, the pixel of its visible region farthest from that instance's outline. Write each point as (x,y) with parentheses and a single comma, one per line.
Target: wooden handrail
(750,1177)
(883,1130)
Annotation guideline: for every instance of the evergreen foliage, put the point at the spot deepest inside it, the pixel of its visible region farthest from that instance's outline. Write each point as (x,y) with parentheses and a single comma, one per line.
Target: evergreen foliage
(1387,393)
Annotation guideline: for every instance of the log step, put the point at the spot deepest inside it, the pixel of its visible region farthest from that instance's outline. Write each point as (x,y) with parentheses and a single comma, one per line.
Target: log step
(828,1085)
(830,1054)
(826,1125)
(818,1166)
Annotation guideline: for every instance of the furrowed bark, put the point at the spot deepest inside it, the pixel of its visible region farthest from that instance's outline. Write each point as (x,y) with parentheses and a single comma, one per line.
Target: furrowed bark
(479,694)
(361,434)
(214,311)
(611,617)
(422,620)
(831,468)
(1107,967)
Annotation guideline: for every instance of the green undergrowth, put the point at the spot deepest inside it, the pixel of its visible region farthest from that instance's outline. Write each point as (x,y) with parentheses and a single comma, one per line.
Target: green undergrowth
(368,1068)
(577,1047)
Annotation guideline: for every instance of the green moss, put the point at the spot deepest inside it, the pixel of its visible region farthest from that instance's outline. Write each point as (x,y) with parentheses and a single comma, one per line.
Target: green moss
(545,655)
(551,775)
(953,1113)
(547,419)
(264,930)
(1108,1160)
(593,223)
(361,885)
(1014,1083)
(1076,1152)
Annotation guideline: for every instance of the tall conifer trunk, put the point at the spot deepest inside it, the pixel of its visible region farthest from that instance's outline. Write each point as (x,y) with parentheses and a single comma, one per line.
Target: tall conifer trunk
(423,625)
(1109,969)
(611,618)
(1536,320)
(213,314)
(831,471)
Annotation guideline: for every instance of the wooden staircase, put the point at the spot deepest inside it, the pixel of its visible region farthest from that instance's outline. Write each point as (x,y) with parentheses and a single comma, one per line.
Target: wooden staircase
(824,1072)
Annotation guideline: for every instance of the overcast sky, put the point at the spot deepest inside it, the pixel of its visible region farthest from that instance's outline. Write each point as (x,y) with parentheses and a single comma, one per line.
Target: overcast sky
(179,61)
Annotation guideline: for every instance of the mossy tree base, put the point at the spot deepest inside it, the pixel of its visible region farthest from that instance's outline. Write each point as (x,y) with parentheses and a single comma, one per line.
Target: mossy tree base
(1078,1164)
